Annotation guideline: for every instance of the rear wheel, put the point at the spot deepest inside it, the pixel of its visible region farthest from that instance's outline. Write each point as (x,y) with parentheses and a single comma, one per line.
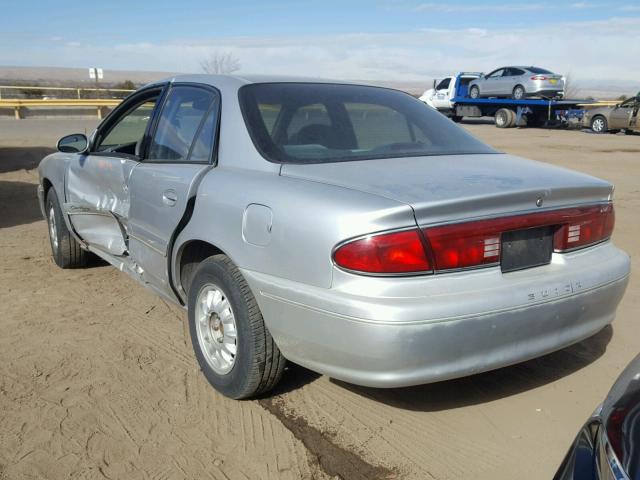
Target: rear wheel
(504,118)
(599,124)
(66,250)
(456,119)
(474,92)
(518,92)
(235,350)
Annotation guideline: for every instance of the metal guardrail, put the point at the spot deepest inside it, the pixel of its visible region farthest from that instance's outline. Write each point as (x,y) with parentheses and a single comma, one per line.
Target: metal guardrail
(77,91)
(18,104)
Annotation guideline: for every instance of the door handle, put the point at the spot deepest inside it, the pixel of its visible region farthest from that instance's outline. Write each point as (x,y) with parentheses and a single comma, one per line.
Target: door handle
(169,197)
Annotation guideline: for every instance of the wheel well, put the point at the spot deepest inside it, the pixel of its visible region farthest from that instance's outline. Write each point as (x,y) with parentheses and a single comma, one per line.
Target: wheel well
(193,253)
(521,86)
(46,184)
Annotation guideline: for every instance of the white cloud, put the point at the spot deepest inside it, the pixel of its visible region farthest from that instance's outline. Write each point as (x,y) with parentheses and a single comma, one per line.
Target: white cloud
(405,56)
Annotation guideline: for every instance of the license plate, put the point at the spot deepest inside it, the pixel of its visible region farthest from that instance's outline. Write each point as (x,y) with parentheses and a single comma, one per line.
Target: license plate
(526,248)
(553,81)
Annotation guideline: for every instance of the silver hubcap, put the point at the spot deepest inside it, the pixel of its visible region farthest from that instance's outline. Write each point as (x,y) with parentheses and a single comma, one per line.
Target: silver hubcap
(518,93)
(53,233)
(598,125)
(216,329)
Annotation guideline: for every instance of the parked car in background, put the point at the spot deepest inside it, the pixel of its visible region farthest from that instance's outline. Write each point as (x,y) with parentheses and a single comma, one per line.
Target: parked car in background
(347,228)
(623,116)
(608,446)
(518,83)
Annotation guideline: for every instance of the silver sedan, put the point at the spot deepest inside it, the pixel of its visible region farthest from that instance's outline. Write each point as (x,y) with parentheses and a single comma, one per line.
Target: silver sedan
(347,228)
(518,83)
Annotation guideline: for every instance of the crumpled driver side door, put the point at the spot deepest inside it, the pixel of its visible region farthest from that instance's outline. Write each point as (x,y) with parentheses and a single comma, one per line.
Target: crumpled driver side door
(97,182)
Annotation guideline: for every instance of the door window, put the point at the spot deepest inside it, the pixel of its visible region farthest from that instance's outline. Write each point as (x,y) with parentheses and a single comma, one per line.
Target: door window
(496,73)
(183,113)
(515,72)
(125,136)
(444,84)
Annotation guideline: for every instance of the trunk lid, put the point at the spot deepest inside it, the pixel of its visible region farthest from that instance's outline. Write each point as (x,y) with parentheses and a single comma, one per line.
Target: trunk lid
(459,187)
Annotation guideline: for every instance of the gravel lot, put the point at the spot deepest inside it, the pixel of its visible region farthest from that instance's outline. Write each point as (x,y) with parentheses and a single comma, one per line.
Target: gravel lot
(98,378)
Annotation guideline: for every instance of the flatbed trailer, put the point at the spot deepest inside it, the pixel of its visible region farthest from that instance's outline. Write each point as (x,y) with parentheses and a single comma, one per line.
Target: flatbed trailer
(508,112)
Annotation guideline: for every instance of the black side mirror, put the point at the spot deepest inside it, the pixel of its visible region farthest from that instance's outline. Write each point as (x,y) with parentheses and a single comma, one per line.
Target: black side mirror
(435,81)
(75,143)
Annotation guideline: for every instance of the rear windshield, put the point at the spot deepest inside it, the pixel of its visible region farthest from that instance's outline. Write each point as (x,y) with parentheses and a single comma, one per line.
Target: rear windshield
(321,123)
(538,70)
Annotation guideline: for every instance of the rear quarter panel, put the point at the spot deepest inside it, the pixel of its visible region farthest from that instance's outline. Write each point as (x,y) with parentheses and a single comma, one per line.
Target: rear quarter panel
(308,219)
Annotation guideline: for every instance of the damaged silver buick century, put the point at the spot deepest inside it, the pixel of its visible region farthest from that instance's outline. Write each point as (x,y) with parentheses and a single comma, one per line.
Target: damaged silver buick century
(347,228)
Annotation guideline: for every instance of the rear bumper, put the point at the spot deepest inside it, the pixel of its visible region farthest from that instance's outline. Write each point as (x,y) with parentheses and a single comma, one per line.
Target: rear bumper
(392,332)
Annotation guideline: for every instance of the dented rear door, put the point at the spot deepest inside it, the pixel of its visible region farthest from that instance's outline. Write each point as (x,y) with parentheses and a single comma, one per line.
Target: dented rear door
(162,186)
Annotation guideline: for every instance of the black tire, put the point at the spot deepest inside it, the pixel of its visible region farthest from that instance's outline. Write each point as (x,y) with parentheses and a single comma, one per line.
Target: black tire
(519,93)
(599,124)
(504,118)
(67,253)
(258,363)
(456,119)
(628,131)
(474,92)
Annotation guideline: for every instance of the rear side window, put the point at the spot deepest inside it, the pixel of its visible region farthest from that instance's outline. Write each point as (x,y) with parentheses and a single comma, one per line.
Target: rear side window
(319,123)
(183,113)
(515,72)
(538,70)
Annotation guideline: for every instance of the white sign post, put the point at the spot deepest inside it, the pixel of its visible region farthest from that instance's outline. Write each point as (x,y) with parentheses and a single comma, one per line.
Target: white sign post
(96,74)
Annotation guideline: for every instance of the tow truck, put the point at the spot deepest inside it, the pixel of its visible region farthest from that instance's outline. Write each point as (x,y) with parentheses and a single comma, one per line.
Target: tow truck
(451,97)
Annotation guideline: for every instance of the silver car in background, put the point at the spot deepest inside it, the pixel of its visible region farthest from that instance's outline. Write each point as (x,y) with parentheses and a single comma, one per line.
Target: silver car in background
(348,228)
(518,83)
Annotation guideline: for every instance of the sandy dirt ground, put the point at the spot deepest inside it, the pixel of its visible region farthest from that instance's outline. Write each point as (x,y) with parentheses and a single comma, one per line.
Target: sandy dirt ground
(98,378)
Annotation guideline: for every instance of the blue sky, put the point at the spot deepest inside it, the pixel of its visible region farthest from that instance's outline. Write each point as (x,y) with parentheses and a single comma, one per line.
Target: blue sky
(378,39)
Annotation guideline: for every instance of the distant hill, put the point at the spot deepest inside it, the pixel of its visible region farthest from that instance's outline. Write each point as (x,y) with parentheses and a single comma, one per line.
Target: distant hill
(57,76)
(73,76)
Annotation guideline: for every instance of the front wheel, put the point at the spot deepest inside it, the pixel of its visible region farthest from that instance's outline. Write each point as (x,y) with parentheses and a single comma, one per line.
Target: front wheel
(65,249)
(234,349)
(474,92)
(599,124)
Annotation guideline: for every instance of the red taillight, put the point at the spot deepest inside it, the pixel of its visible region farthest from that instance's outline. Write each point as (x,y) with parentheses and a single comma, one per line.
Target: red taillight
(591,225)
(470,244)
(466,245)
(538,77)
(397,252)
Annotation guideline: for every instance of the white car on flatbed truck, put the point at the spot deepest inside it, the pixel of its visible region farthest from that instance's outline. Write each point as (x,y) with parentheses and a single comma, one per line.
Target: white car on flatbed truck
(441,95)
(451,97)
